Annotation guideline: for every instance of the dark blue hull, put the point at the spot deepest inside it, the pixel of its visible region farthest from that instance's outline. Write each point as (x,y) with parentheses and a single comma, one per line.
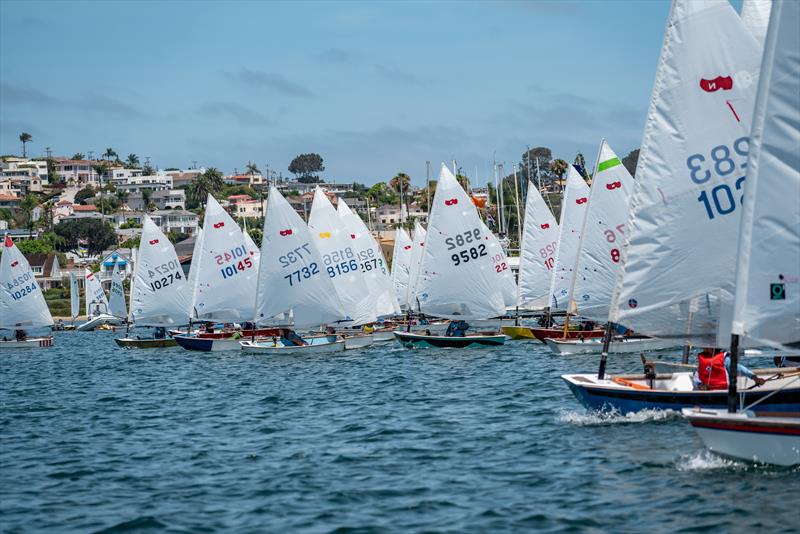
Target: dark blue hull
(195,343)
(634,400)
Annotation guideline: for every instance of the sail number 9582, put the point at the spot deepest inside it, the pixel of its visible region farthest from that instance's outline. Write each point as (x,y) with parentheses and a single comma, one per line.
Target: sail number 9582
(468,254)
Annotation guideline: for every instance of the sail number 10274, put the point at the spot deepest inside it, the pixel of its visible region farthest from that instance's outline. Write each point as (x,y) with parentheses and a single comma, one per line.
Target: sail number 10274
(724,161)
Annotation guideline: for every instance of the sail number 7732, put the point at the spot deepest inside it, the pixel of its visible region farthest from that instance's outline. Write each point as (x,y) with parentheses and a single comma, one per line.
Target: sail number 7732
(724,161)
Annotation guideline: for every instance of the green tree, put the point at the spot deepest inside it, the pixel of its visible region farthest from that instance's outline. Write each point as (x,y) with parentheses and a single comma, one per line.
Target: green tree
(78,155)
(400,180)
(426,193)
(132,242)
(96,233)
(109,153)
(84,194)
(306,166)
(100,169)
(132,161)
(463,180)
(26,208)
(46,242)
(559,168)
(630,161)
(25,138)
(580,162)
(148,170)
(209,182)
(252,169)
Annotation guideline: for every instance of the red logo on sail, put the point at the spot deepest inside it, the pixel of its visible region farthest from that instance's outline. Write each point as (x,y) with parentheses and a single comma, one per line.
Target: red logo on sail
(720,82)
(451,202)
(15,264)
(613,185)
(154,241)
(407,247)
(219,224)
(581,200)
(545,226)
(352,236)
(286,232)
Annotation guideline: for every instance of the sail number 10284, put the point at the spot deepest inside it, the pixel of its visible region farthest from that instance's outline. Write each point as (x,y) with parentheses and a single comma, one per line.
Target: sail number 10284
(724,161)
(470,237)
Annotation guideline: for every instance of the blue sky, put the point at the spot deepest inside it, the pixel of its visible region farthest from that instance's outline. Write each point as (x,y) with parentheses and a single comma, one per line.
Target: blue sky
(375,88)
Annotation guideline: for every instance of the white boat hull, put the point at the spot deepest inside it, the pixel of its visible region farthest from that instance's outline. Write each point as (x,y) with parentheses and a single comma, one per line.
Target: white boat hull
(30,343)
(358,341)
(617,346)
(270,348)
(745,436)
(93,323)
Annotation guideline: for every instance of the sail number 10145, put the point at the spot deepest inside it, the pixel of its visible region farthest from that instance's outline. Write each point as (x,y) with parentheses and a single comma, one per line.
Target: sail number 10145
(474,252)
(720,200)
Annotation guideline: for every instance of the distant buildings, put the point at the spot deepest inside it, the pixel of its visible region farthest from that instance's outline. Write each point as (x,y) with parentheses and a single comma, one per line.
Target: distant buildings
(246,206)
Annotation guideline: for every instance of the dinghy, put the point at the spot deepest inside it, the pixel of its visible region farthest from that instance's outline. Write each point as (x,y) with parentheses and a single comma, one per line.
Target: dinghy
(22,303)
(293,280)
(159,296)
(457,279)
(96,304)
(766,305)
(618,345)
(401,265)
(677,269)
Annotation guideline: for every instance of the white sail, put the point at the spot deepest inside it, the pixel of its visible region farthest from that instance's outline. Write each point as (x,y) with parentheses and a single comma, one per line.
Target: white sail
(401,265)
(502,267)
(574,204)
(74,295)
(340,260)
(292,276)
(417,248)
(227,275)
(767,300)
(22,304)
(194,266)
(159,296)
(755,15)
(96,301)
(116,300)
(537,254)
(602,236)
(370,261)
(678,263)
(457,278)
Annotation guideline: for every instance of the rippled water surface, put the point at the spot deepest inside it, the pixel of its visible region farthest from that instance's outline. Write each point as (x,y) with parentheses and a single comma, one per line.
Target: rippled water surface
(96,438)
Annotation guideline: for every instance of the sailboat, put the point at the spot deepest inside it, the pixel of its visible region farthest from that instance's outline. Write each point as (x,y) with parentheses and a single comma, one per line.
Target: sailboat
(22,303)
(457,278)
(159,297)
(292,279)
(97,310)
(677,268)
(224,286)
(767,303)
(598,259)
(536,261)
(401,265)
(116,302)
(417,249)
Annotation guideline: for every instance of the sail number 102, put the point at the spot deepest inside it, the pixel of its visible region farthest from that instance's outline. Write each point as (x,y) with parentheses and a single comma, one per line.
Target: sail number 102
(720,200)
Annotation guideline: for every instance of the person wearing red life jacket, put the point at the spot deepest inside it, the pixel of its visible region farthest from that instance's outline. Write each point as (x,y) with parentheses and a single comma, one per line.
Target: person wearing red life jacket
(712,370)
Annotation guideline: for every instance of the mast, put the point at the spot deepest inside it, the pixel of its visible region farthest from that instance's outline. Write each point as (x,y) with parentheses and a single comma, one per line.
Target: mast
(516,201)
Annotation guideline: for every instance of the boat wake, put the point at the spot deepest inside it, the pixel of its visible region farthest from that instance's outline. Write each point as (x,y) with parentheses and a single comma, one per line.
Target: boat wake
(706,461)
(614,417)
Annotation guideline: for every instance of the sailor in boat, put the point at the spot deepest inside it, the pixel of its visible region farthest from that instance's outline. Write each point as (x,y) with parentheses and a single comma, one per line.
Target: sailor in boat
(457,329)
(712,370)
(20,335)
(160,333)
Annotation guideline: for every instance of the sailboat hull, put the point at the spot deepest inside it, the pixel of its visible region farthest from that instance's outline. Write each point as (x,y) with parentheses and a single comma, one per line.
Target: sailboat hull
(95,322)
(316,346)
(769,438)
(414,340)
(632,393)
(617,346)
(30,343)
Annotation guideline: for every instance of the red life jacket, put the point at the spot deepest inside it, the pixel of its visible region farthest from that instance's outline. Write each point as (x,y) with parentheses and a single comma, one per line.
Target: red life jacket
(711,370)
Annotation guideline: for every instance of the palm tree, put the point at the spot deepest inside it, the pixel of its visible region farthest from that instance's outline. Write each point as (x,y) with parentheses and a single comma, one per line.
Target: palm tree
(559,168)
(25,138)
(78,156)
(27,206)
(215,179)
(109,153)
(199,189)
(132,161)
(252,169)
(401,179)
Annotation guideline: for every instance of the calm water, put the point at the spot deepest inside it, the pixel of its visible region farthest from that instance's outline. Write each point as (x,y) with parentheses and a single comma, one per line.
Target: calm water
(95,438)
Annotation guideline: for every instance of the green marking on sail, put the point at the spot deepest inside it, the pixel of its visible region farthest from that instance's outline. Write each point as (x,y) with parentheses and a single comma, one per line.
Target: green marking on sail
(607,164)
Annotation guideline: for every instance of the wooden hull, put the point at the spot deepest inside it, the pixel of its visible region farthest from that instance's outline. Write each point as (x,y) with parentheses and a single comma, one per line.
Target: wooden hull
(530,332)
(767,438)
(675,391)
(415,340)
(30,343)
(130,343)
